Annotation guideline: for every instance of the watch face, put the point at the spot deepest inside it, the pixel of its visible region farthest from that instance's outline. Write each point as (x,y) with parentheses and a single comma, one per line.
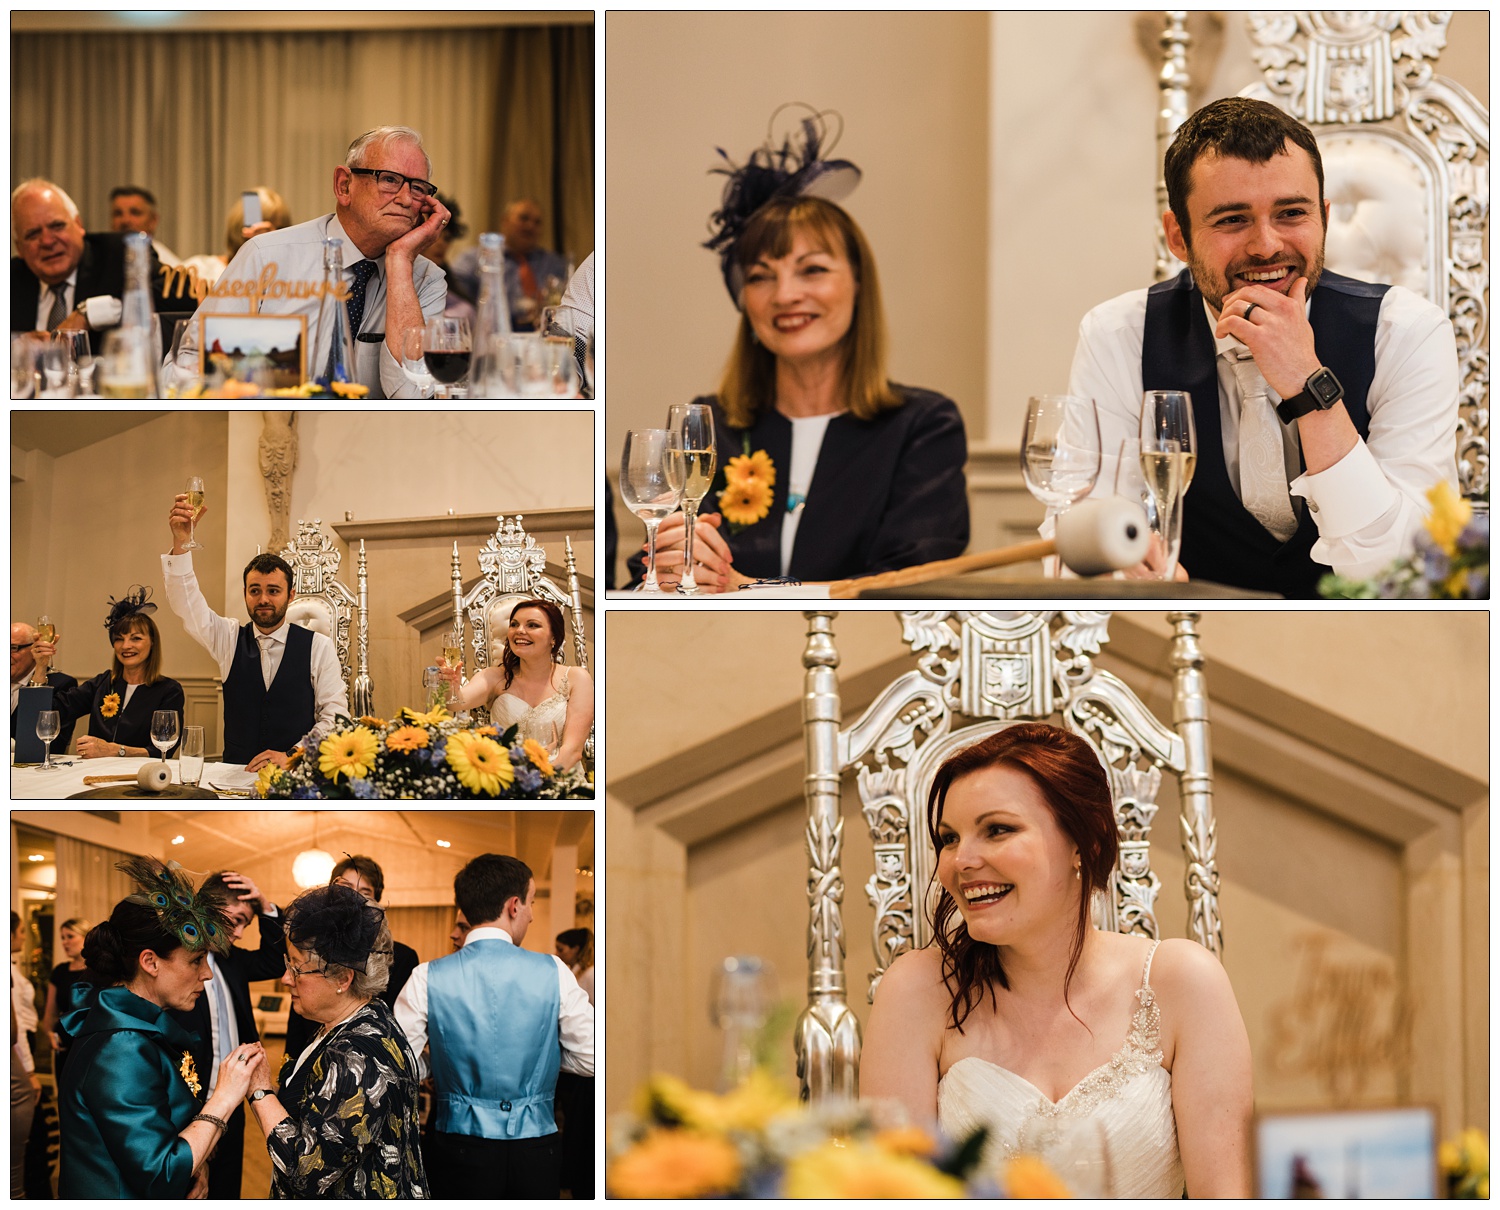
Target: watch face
(1325,388)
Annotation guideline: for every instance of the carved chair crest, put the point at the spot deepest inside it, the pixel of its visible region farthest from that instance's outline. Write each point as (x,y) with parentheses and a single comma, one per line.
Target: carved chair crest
(322,602)
(977,672)
(1406,160)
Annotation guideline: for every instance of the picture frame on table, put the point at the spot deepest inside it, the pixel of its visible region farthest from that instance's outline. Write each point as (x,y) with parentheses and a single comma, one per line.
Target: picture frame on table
(1386,1152)
(244,345)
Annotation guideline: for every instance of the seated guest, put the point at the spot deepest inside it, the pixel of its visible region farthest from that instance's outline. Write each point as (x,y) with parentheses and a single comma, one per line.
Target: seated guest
(361,874)
(132,208)
(64,277)
(280,681)
(23,671)
(576,948)
(70,935)
(274,216)
(385,214)
(343,1122)
(868,475)
(533,274)
(462,301)
(1325,407)
(119,702)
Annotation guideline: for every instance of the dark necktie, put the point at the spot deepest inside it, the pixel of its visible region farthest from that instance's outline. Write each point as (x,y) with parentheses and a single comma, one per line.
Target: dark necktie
(59,310)
(363,271)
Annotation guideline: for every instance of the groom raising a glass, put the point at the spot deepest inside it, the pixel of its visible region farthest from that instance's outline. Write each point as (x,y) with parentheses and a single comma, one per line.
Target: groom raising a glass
(280,681)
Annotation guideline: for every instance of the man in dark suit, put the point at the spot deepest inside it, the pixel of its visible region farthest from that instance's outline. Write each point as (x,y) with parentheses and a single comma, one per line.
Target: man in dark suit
(223,1018)
(22,669)
(65,277)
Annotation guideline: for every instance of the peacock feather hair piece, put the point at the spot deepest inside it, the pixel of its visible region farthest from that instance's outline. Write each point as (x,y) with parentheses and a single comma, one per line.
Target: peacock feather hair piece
(195,918)
(798,167)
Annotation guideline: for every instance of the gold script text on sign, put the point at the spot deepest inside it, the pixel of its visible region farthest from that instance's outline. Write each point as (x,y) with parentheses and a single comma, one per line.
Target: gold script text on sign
(184,280)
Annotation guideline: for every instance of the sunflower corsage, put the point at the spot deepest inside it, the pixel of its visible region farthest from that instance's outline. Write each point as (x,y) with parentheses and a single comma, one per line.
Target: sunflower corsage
(110,706)
(189,1072)
(746,498)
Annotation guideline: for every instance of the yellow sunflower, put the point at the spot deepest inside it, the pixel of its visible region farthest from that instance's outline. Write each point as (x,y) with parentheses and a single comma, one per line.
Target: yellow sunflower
(538,755)
(110,706)
(369,720)
(745,467)
(480,763)
(745,502)
(675,1163)
(348,753)
(1450,514)
(407,739)
(838,1169)
(431,718)
(269,775)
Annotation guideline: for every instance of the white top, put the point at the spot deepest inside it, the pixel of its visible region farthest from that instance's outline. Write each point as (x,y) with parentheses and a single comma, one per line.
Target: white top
(807,442)
(218,636)
(575,1015)
(297,254)
(1112,1135)
(1370,504)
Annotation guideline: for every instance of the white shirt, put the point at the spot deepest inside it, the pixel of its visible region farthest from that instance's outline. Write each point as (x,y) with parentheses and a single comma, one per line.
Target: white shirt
(575,1015)
(807,442)
(575,315)
(1370,504)
(297,254)
(218,636)
(48,294)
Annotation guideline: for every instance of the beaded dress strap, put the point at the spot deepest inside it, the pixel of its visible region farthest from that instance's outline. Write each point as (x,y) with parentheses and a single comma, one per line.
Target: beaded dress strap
(1146,974)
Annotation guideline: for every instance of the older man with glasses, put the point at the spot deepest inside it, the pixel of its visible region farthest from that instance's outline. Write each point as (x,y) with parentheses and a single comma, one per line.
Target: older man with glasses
(23,671)
(386,214)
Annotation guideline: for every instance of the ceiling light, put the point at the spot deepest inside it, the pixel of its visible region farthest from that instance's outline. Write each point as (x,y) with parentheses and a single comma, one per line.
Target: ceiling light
(36,857)
(312,867)
(443,844)
(178,839)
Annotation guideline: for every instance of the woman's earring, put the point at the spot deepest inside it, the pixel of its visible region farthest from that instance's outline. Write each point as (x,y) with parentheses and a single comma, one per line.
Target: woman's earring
(1078,872)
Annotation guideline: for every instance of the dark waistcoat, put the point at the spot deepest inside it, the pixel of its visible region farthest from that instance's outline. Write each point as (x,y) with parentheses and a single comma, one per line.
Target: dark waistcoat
(1221,540)
(257,718)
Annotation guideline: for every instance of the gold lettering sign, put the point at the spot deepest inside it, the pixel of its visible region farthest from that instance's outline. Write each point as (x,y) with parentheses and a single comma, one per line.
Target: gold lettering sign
(184,279)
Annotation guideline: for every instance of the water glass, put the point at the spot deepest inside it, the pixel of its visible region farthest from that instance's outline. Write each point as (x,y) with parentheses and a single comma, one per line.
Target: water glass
(741,998)
(81,376)
(1060,454)
(647,486)
(48,728)
(190,756)
(58,375)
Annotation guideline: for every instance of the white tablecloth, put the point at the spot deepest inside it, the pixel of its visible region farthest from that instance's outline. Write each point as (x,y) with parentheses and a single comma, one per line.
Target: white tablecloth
(66,779)
(773,592)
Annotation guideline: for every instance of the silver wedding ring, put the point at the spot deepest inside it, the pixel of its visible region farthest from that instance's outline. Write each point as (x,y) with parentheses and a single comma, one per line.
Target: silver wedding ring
(1248,308)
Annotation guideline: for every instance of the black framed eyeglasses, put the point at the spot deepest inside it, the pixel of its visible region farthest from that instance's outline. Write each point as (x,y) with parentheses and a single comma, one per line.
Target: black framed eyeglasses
(391,182)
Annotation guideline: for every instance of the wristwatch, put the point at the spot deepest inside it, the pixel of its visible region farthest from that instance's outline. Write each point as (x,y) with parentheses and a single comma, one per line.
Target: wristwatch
(121,752)
(258,1094)
(1320,393)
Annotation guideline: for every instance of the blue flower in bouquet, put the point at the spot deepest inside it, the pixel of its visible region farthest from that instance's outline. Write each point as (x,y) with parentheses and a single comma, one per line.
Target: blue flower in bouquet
(528,780)
(362,787)
(517,754)
(305,792)
(438,755)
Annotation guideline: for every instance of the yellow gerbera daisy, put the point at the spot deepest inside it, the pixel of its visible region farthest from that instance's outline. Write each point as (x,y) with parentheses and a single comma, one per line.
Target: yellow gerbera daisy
(745,502)
(269,775)
(674,1163)
(431,718)
(350,390)
(349,754)
(110,706)
(837,1169)
(1450,513)
(751,466)
(480,763)
(407,739)
(538,755)
(1026,1176)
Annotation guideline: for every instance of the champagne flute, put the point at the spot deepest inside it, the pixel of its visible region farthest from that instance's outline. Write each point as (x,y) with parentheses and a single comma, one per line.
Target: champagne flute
(1169,455)
(742,995)
(1060,449)
(190,756)
(648,486)
(124,369)
(163,730)
(693,464)
(195,502)
(45,630)
(48,728)
(447,348)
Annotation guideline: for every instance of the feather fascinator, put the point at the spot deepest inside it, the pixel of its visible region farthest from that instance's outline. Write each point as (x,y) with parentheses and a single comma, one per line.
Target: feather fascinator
(194,918)
(799,167)
(137,600)
(338,924)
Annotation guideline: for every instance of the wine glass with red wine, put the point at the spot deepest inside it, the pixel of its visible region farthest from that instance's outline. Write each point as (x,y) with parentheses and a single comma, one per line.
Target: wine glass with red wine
(447,348)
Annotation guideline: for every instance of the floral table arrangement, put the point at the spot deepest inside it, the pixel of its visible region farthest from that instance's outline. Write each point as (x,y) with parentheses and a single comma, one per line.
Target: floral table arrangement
(420,755)
(759,1142)
(1465,1162)
(1451,561)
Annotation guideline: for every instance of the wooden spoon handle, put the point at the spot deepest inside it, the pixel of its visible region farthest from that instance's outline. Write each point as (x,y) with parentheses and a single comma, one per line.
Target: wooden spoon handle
(922,572)
(99,779)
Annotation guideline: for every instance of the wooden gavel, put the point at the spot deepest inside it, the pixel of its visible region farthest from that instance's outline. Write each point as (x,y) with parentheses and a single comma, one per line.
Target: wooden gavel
(1093,537)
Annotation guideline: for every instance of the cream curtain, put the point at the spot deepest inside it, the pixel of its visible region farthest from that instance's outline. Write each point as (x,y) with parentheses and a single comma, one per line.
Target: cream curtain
(199,117)
(88,884)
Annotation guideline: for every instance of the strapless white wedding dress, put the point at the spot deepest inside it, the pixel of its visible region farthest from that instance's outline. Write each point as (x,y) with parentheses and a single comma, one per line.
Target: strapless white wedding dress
(543,722)
(1112,1135)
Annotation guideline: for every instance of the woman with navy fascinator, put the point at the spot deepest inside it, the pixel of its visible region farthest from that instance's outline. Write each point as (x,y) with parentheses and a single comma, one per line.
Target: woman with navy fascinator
(826,469)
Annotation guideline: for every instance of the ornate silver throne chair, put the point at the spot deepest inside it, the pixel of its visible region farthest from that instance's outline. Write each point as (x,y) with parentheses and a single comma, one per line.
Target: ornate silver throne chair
(324,603)
(975,673)
(513,568)
(1406,166)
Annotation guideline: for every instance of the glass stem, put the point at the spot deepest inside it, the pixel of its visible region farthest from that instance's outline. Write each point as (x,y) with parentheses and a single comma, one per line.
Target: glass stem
(651,584)
(689,585)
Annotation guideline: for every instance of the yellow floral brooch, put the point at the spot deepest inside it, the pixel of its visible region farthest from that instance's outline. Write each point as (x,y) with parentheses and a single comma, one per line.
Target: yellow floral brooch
(110,706)
(746,497)
(189,1073)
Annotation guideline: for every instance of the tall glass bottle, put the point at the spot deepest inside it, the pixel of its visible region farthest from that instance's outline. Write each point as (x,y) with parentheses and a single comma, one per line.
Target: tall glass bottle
(492,325)
(136,312)
(333,318)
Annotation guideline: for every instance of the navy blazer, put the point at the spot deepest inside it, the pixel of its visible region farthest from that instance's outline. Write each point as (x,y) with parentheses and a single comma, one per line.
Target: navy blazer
(886,493)
(59,681)
(131,724)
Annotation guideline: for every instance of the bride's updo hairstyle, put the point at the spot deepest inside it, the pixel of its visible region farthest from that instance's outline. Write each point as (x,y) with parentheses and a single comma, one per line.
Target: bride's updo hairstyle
(510,662)
(1072,782)
(112,949)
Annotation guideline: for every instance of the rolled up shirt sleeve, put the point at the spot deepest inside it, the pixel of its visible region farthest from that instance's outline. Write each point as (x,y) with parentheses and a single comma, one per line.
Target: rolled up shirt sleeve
(1370,504)
(216,635)
(329,689)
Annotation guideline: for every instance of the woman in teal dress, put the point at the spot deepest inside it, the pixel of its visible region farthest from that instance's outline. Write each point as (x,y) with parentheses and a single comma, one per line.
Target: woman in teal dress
(131,1121)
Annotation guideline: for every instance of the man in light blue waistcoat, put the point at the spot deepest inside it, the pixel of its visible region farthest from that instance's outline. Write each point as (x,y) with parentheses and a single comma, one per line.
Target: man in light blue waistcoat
(501,1022)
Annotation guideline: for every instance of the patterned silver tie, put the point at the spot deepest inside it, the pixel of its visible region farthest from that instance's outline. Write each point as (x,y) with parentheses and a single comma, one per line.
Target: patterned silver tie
(1263,486)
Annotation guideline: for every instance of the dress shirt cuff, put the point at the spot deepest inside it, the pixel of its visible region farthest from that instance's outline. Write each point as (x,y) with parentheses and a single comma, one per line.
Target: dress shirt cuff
(1349,495)
(272,911)
(177,565)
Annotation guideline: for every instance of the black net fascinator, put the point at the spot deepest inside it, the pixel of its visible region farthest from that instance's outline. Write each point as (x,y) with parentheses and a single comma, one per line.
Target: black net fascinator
(338,924)
(194,917)
(136,601)
(799,167)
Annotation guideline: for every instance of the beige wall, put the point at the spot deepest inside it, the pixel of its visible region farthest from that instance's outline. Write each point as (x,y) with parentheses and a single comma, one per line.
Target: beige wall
(1350,750)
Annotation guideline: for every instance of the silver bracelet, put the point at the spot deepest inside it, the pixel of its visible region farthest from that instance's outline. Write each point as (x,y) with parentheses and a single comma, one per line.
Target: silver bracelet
(208,1117)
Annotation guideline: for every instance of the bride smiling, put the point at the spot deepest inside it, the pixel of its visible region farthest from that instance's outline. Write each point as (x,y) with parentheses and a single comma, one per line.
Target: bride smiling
(1024,1018)
(531,689)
